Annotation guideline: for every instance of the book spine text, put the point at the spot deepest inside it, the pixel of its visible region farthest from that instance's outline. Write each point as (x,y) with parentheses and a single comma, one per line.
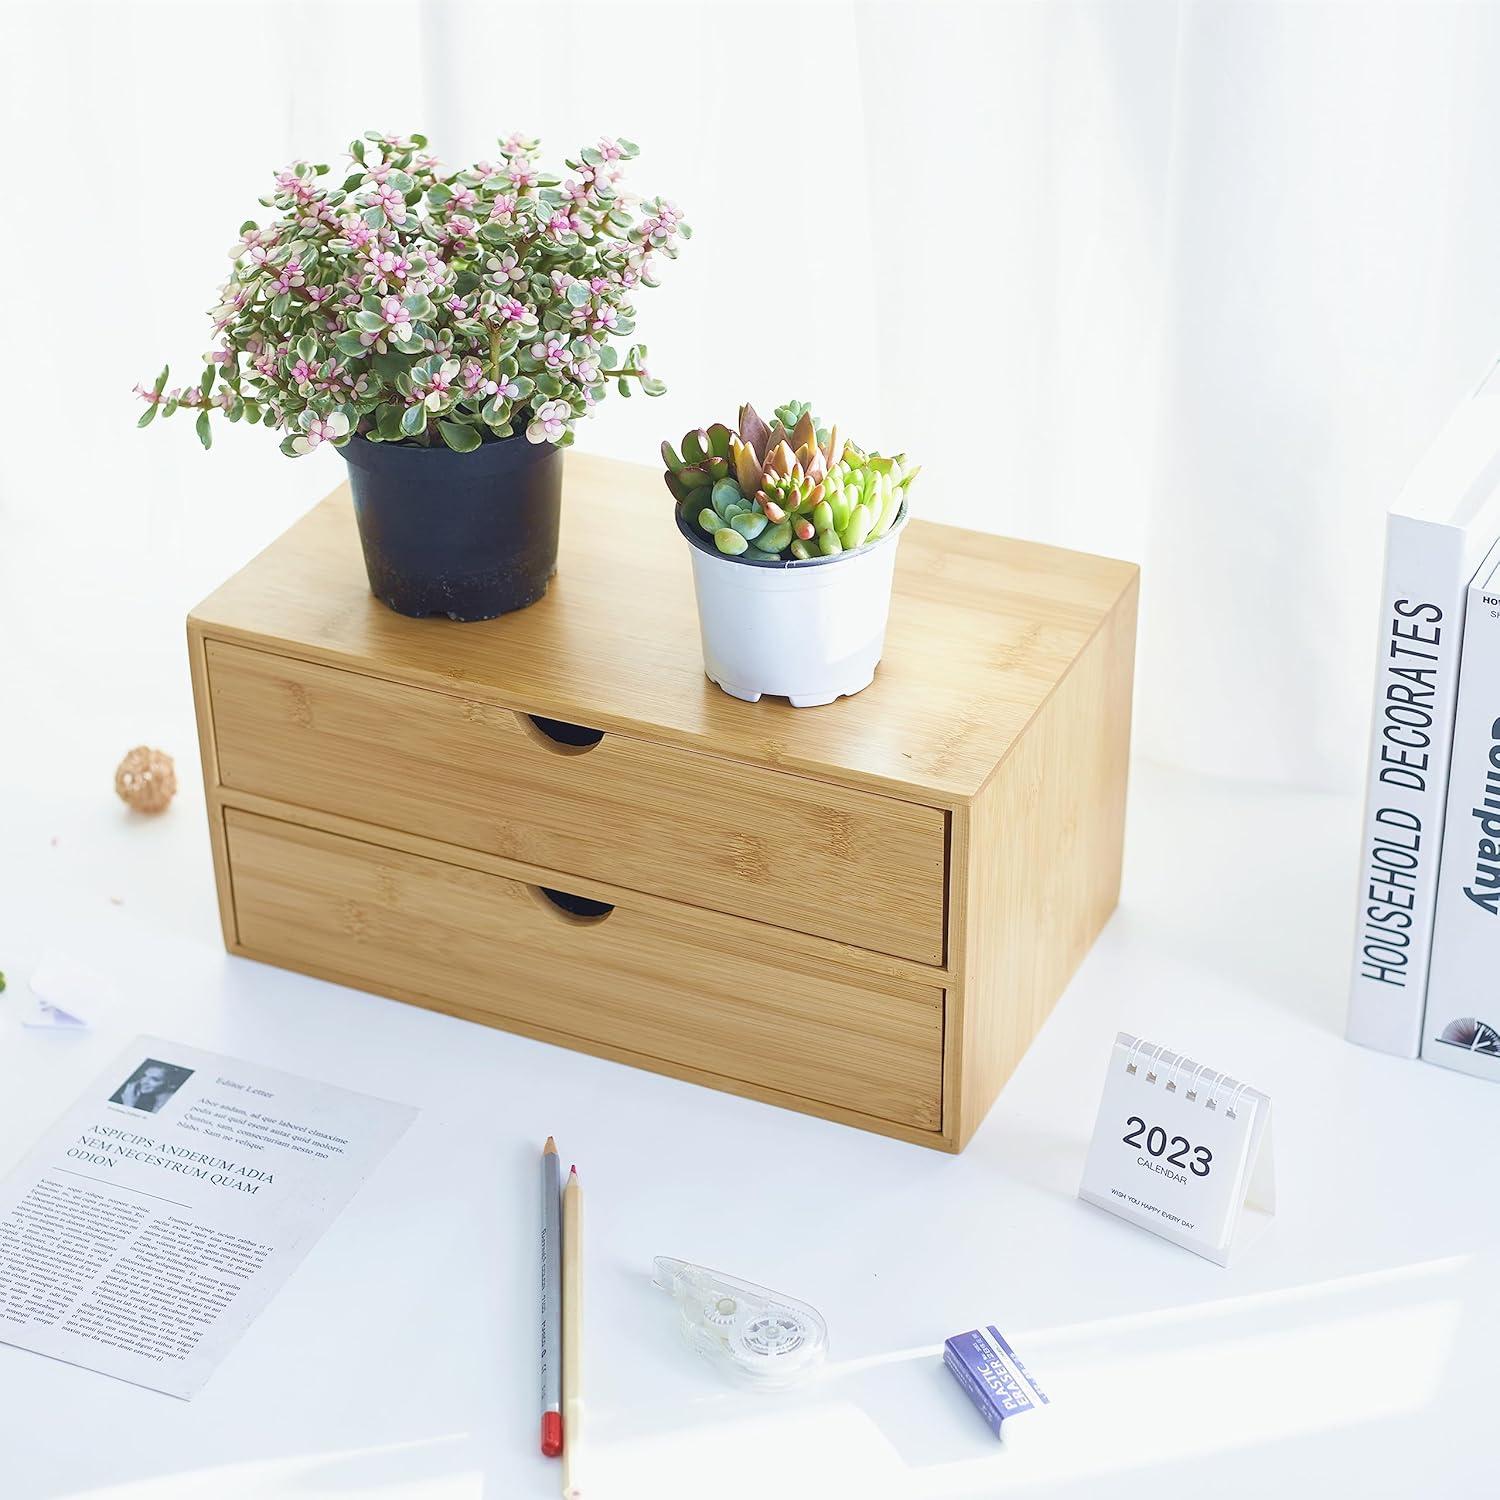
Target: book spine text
(1410,744)
(1463,1004)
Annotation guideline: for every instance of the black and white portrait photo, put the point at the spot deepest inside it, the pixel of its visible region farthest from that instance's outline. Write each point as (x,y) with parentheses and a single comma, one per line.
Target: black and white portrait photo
(150,1086)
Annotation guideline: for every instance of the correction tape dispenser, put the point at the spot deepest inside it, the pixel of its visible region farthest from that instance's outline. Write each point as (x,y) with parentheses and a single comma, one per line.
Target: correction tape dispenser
(757,1337)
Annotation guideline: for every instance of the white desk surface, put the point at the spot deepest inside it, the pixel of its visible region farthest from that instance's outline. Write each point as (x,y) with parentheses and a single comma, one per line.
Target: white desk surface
(1353,1347)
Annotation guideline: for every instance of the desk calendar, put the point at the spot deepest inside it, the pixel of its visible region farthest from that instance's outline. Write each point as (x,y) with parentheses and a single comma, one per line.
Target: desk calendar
(1181,1149)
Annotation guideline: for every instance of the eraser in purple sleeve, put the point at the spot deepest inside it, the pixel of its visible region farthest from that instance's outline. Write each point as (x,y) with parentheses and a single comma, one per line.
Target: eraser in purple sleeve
(997,1382)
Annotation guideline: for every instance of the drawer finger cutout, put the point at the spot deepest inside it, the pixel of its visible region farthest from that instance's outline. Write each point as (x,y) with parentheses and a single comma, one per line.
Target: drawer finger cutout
(831,861)
(495,949)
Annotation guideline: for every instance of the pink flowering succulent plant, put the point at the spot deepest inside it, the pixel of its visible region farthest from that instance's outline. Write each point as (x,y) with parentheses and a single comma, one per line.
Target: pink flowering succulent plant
(412,304)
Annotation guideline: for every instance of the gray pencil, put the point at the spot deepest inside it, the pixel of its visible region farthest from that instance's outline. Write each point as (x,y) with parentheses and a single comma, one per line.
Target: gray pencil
(552,1431)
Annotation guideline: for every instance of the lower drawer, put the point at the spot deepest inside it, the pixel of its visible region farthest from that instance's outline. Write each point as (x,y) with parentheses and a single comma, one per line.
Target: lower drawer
(504,952)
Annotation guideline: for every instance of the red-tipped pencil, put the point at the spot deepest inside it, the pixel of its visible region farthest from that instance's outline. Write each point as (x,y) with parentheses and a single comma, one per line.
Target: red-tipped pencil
(552,1424)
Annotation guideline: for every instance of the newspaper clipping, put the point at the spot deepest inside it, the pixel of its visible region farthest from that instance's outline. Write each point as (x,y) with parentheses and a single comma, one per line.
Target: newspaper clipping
(141,1236)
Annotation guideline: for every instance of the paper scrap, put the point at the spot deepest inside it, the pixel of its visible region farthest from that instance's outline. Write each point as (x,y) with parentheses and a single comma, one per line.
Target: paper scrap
(68,994)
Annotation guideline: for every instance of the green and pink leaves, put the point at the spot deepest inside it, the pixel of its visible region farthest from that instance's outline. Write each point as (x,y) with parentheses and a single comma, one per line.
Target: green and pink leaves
(152,395)
(359,280)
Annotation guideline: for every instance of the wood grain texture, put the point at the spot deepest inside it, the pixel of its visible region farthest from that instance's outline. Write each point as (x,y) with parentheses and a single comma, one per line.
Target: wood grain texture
(208,754)
(1042,864)
(982,630)
(697,923)
(480,943)
(650,817)
(384,988)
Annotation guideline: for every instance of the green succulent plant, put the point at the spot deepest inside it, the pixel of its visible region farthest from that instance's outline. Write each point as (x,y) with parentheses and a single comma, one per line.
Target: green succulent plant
(703,462)
(785,491)
(792,412)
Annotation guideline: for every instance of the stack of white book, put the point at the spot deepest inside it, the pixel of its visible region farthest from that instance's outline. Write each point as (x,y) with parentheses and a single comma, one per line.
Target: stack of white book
(1426,974)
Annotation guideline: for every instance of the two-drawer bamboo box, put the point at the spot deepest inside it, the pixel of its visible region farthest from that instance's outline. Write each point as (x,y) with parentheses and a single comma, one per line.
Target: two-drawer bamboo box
(554,823)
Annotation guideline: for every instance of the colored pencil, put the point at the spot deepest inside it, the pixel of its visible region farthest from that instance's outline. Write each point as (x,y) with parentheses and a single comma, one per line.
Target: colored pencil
(572,1325)
(551,1286)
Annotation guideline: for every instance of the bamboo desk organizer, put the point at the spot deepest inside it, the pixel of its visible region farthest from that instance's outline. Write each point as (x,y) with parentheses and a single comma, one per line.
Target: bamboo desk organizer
(864,911)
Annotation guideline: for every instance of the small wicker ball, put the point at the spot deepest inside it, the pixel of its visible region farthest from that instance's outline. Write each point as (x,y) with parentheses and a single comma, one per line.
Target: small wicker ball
(146,779)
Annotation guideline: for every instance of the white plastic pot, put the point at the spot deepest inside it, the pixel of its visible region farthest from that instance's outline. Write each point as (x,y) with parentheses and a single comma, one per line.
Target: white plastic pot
(808,631)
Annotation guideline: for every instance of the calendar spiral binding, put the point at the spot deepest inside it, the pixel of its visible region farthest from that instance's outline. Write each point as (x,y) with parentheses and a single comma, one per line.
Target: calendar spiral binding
(1187,1077)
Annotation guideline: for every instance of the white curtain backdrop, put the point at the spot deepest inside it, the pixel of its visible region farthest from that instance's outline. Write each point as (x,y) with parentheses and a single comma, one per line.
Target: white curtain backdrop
(1188,283)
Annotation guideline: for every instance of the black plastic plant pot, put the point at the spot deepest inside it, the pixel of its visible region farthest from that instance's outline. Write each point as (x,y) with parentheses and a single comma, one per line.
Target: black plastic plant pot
(467,535)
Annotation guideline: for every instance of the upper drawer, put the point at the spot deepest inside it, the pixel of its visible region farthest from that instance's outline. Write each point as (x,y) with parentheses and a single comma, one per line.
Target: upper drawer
(807,855)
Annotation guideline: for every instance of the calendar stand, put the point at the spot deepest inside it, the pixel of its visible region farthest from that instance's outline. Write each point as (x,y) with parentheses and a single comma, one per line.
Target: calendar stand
(1182,1150)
